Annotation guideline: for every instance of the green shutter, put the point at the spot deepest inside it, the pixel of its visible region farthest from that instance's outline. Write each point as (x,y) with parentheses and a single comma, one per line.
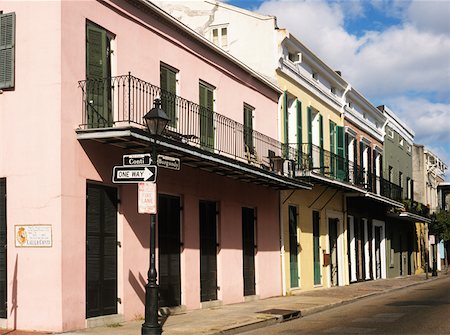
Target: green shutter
(7,49)
(322,157)
(168,83)
(299,132)
(206,117)
(332,148)
(286,126)
(96,67)
(99,111)
(309,116)
(248,129)
(340,153)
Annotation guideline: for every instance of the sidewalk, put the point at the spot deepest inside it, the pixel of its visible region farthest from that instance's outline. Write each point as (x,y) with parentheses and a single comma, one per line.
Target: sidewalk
(237,318)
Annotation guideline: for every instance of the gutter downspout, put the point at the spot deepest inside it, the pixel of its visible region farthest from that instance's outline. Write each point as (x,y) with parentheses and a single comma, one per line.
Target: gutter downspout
(283,267)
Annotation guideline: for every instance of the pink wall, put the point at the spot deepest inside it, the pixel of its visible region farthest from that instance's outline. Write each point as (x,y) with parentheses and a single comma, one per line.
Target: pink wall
(47,168)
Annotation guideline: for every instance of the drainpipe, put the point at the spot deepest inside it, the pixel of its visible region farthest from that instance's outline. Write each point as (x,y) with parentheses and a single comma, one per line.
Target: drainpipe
(283,267)
(344,98)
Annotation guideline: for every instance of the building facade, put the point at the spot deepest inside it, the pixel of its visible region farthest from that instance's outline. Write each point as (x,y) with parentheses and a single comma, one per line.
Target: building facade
(85,91)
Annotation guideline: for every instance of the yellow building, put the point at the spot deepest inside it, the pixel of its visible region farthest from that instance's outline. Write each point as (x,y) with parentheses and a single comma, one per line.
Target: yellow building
(314,238)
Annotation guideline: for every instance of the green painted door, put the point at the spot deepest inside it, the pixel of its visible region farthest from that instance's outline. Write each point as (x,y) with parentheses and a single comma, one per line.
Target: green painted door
(293,246)
(206,117)
(316,248)
(98,87)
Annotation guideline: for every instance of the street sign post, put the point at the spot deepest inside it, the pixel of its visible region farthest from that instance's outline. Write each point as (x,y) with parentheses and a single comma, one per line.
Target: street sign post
(134,174)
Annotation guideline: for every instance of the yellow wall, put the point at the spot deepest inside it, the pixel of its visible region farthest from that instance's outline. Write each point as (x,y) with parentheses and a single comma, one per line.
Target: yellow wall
(306,203)
(308,100)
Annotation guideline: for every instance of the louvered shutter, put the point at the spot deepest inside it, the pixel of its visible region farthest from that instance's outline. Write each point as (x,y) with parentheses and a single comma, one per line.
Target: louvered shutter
(340,152)
(321,143)
(285,125)
(299,131)
(168,90)
(7,49)
(361,162)
(248,129)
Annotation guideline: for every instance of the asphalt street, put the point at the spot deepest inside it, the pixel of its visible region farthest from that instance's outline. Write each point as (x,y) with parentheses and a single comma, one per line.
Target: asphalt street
(423,309)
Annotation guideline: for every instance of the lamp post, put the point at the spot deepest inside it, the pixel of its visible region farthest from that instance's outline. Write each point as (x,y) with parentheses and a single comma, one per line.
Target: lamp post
(156,120)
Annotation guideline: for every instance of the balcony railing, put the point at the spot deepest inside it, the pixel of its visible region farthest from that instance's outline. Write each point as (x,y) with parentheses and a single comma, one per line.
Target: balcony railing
(124,100)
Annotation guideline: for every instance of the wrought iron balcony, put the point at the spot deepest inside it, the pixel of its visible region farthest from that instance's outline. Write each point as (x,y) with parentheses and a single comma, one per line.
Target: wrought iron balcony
(124,100)
(331,165)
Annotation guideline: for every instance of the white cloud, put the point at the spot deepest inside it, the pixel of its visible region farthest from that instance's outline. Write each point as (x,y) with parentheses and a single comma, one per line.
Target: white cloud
(388,66)
(429,15)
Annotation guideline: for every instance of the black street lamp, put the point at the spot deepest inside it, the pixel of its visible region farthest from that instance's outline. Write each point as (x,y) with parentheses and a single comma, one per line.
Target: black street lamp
(156,120)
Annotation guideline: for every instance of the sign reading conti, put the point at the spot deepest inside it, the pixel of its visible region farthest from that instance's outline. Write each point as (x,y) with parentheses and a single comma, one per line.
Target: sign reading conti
(33,236)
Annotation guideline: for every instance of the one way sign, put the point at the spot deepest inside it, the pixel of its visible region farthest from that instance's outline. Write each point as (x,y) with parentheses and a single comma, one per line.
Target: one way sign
(134,174)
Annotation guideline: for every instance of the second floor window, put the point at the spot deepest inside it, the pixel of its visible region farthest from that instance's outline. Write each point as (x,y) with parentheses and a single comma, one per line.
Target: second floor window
(168,84)
(248,129)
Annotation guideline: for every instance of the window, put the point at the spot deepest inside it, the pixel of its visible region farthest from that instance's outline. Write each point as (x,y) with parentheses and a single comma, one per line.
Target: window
(400,141)
(294,57)
(391,174)
(219,36)
(400,180)
(168,84)
(248,129)
(408,188)
(390,133)
(408,148)
(7,49)
(315,75)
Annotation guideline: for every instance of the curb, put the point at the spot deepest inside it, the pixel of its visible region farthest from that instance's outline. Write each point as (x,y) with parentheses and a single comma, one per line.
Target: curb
(251,325)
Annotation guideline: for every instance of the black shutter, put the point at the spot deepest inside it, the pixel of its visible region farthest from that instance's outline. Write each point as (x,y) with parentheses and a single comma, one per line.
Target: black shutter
(7,49)
(169,242)
(208,251)
(248,250)
(101,251)
(3,250)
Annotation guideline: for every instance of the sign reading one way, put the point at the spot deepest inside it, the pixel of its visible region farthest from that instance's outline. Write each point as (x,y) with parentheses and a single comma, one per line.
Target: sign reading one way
(134,174)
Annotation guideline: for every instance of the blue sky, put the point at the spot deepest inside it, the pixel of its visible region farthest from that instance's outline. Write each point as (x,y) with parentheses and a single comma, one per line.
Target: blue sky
(395,52)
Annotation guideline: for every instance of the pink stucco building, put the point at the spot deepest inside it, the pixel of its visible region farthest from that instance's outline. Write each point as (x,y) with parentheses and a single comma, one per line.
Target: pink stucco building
(71,105)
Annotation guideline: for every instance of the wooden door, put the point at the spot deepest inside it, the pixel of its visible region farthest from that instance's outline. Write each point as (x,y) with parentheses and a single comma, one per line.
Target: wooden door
(208,250)
(293,246)
(248,250)
(101,250)
(169,247)
(3,251)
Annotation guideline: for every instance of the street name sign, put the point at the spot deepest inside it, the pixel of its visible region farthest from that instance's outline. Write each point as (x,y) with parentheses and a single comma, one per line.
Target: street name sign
(134,174)
(137,159)
(168,162)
